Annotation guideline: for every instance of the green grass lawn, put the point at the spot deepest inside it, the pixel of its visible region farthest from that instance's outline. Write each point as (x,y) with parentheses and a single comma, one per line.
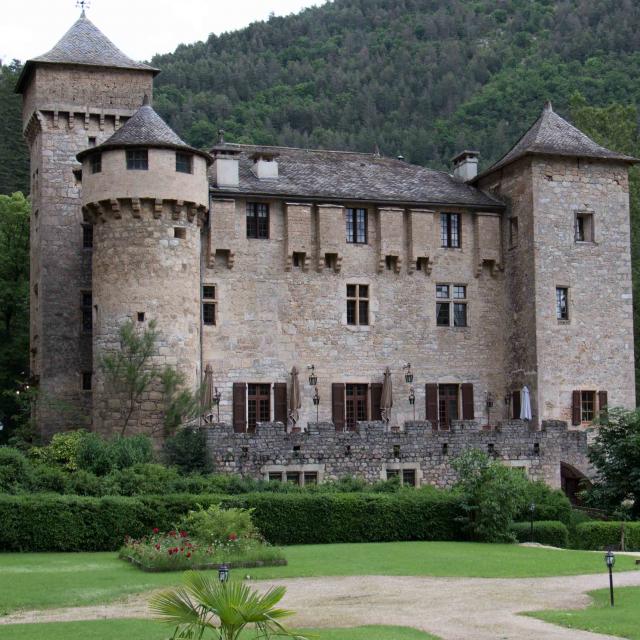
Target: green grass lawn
(622,620)
(150,630)
(41,580)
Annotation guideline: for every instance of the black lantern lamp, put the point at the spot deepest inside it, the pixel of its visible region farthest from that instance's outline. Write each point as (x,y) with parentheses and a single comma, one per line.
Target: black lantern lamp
(412,401)
(313,378)
(489,404)
(408,374)
(217,396)
(532,511)
(316,402)
(610,559)
(223,573)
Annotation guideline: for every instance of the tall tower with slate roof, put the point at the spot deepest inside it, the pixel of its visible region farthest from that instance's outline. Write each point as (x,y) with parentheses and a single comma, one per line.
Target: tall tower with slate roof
(75,96)
(145,194)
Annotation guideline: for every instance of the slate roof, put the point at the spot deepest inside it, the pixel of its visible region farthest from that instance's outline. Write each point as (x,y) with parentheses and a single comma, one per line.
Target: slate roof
(145,128)
(84,44)
(552,135)
(350,176)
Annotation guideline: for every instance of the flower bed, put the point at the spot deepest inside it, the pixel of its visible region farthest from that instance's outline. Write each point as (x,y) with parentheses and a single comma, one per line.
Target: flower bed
(175,551)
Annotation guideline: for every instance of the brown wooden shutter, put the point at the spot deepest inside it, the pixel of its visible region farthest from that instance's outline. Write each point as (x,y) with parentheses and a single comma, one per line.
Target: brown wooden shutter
(376,398)
(337,405)
(603,401)
(431,395)
(467,401)
(515,402)
(280,408)
(239,407)
(576,413)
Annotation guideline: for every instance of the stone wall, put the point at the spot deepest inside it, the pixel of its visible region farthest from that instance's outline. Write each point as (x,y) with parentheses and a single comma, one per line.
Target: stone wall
(372,449)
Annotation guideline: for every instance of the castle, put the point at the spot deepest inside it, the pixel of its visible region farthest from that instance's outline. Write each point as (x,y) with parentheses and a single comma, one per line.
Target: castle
(253,260)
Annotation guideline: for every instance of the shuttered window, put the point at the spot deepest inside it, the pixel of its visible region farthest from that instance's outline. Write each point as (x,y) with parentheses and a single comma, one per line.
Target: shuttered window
(239,407)
(337,405)
(356,405)
(280,402)
(515,404)
(258,404)
(376,401)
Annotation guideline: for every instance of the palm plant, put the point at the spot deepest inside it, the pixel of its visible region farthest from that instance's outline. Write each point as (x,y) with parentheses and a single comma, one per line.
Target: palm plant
(204,607)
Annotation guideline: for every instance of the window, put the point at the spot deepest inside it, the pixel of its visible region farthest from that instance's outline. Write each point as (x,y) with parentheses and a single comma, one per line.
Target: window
(513,232)
(86,380)
(450,230)
(310,477)
(184,162)
(562,303)
(257,220)
(356,405)
(391,262)
(299,259)
(87,313)
(275,476)
(409,477)
(87,236)
(393,473)
(293,477)
(137,159)
(140,316)
(587,406)
(258,404)
(357,304)
(180,233)
(96,162)
(447,404)
(331,260)
(451,305)
(92,141)
(357,226)
(584,227)
(209,303)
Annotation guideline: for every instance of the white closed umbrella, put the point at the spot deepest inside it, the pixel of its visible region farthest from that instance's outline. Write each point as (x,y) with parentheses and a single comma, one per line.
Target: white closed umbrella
(525,403)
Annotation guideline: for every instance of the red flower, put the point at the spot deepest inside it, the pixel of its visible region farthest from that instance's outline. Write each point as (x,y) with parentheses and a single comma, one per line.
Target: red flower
(233,536)
(170,552)
(156,530)
(184,534)
(172,534)
(188,554)
(157,546)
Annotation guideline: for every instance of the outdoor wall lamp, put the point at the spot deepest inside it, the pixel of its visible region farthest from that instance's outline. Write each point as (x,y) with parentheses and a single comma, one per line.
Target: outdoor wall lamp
(217,396)
(408,374)
(313,378)
(316,402)
(412,401)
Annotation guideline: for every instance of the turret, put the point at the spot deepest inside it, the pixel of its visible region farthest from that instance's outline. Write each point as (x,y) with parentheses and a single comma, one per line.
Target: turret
(145,192)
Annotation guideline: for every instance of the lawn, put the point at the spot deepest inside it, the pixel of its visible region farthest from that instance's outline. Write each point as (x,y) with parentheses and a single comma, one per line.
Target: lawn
(150,630)
(622,620)
(41,580)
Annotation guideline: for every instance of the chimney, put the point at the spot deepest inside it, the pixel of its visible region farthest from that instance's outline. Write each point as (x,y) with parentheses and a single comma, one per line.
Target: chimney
(225,169)
(265,166)
(465,165)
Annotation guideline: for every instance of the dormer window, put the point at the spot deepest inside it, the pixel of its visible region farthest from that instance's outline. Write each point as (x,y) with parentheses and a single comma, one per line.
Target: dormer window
(96,162)
(184,162)
(137,159)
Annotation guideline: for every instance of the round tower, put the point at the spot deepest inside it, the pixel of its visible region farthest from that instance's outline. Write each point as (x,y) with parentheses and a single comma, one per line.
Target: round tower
(145,192)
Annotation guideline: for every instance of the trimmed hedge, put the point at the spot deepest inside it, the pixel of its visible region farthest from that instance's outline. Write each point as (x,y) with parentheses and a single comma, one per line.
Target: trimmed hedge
(551,532)
(597,535)
(75,523)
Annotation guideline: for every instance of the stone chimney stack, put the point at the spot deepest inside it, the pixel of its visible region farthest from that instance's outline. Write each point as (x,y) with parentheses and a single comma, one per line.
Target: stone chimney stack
(465,165)
(265,166)
(226,163)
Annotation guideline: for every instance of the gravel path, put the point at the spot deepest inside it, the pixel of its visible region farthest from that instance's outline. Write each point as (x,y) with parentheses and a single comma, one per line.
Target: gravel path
(451,608)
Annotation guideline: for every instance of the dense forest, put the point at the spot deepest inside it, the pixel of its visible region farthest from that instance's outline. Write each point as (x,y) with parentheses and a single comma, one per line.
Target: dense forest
(421,78)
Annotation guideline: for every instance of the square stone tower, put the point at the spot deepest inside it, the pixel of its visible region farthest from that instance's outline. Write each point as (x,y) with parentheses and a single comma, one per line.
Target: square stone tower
(568,267)
(74,97)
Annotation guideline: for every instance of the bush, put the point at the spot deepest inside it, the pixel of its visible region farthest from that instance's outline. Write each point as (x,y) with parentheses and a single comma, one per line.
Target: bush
(551,532)
(50,479)
(84,483)
(551,504)
(187,450)
(93,455)
(15,471)
(214,525)
(125,452)
(62,451)
(140,479)
(74,523)
(597,535)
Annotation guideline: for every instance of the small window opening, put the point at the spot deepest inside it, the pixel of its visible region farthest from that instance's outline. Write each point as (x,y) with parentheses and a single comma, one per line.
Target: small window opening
(347,451)
(445,449)
(275,477)
(393,473)
(293,477)
(391,262)
(140,316)
(330,260)
(87,312)
(296,448)
(298,259)
(536,448)
(86,380)
(491,449)
(584,227)
(87,236)
(209,304)
(396,450)
(137,159)
(92,141)
(184,162)
(222,258)
(180,233)
(310,477)
(513,232)
(245,451)
(96,162)
(409,477)
(562,304)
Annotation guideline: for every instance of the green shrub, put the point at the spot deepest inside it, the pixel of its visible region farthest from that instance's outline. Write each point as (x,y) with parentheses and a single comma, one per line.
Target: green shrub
(62,451)
(125,452)
(213,524)
(84,483)
(93,455)
(551,532)
(140,479)
(15,471)
(551,504)
(187,450)
(597,535)
(74,523)
(49,479)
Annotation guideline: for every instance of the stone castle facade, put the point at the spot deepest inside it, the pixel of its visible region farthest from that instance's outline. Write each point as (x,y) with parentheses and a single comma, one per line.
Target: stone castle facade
(253,260)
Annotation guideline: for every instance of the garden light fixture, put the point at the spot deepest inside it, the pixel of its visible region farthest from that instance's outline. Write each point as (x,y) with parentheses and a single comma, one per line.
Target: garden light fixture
(532,511)
(313,378)
(223,573)
(408,374)
(610,559)
(412,401)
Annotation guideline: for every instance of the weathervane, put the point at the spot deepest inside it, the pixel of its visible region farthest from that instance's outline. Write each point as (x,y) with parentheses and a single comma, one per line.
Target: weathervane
(83,4)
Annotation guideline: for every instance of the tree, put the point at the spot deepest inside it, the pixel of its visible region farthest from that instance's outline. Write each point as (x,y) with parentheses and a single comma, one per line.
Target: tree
(492,495)
(14,305)
(615,454)
(221,609)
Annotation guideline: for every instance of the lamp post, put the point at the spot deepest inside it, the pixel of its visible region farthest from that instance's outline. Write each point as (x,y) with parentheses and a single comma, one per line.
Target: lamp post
(610,559)
(216,400)
(316,402)
(223,573)
(412,401)
(532,511)
(408,374)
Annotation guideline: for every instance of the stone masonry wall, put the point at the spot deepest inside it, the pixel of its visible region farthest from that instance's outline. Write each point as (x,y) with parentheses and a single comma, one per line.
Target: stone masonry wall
(371,450)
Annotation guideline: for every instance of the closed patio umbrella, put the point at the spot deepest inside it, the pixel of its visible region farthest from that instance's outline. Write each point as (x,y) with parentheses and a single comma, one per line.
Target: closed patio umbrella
(386,399)
(294,398)
(207,393)
(525,404)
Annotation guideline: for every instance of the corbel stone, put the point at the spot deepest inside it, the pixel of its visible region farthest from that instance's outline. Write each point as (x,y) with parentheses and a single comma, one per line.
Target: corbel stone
(115,208)
(72,119)
(116,123)
(157,208)
(102,121)
(191,211)
(178,205)
(135,207)
(87,119)
(56,118)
